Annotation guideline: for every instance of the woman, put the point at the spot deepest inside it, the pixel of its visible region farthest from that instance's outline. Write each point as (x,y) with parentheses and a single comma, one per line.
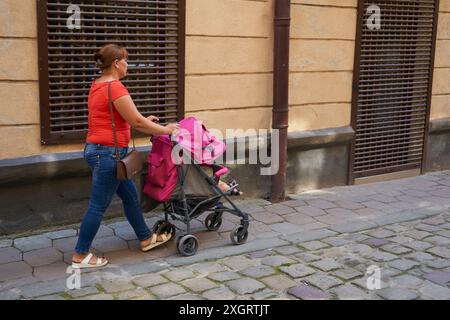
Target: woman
(99,151)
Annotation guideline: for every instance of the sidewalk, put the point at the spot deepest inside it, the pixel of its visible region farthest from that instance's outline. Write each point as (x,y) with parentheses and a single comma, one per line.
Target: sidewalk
(317,246)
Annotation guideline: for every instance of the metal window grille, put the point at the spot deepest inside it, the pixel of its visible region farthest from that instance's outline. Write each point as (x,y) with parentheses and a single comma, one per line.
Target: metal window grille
(392,86)
(153,33)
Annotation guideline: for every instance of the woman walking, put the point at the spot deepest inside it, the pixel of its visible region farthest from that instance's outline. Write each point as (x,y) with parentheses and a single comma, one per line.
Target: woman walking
(99,154)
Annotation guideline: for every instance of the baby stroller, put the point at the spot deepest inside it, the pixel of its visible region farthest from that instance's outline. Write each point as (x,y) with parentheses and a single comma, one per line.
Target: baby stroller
(189,187)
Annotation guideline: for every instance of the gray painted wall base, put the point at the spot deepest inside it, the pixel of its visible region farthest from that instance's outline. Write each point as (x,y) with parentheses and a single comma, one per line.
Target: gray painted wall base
(438,156)
(317,168)
(47,203)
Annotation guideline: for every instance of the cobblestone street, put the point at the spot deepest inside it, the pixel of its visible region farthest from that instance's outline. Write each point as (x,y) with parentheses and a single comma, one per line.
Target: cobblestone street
(318,245)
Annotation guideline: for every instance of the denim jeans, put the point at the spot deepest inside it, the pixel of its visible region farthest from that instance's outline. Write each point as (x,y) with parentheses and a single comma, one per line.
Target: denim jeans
(101,160)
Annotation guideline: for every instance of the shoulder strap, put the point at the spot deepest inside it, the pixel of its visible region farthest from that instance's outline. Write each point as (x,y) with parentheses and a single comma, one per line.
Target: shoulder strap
(112,121)
(114,125)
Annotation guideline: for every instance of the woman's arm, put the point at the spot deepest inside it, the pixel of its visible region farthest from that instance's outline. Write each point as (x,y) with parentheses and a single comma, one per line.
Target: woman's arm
(127,109)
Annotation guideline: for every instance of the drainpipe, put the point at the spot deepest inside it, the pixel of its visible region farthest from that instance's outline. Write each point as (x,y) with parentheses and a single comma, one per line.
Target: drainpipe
(280,111)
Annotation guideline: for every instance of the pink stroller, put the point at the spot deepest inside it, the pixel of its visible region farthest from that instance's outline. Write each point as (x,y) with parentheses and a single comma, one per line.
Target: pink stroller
(182,184)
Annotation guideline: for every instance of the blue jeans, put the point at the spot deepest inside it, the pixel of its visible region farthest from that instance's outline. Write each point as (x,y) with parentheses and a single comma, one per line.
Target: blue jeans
(101,160)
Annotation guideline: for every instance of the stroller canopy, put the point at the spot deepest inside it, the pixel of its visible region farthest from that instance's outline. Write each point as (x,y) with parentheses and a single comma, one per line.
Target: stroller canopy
(201,145)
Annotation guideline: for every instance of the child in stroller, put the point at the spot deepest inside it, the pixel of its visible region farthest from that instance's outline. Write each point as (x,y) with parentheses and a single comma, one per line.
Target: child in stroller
(230,188)
(186,189)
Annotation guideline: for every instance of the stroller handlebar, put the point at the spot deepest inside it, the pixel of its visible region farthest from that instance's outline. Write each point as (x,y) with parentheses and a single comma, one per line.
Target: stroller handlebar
(174,142)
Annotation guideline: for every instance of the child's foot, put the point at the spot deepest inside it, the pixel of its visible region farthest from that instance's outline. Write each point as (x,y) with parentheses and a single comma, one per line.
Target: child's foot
(234,191)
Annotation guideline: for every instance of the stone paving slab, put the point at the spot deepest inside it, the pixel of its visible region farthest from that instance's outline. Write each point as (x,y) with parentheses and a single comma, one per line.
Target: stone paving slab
(43,288)
(10,295)
(149,280)
(41,257)
(15,270)
(351,292)
(116,285)
(347,274)
(279,282)
(199,284)
(126,233)
(167,290)
(10,254)
(309,236)
(300,249)
(101,296)
(32,243)
(56,270)
(187,296)
(285,227)
(297,271)
(133,294)
(277,261)
(224,276)
(258,271)
(267,217)
(61,234)
(178,275)
(397,294)
(305,292)
(109,243)
(65,244)
(287,250)
(6,243)
(434,292)
(407,281)
(219,294)
(83,292)
(322,280)
(403,264)
(245,286)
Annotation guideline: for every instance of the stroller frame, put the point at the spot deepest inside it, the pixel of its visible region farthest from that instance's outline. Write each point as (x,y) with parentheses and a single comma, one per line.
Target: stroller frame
(187,244)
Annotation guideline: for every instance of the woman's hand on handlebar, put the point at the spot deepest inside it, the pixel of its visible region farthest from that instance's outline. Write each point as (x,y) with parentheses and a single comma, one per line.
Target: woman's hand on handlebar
(172,128)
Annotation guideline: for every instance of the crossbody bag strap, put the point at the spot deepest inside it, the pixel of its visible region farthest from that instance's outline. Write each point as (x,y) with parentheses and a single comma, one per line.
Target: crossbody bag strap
(112,121)
(132,138)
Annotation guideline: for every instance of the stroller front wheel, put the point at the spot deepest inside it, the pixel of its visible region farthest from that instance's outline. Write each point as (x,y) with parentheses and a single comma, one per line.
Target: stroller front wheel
(187,245)
(239,235)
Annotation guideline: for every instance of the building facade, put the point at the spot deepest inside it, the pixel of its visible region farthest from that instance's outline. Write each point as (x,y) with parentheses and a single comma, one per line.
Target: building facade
(369,89)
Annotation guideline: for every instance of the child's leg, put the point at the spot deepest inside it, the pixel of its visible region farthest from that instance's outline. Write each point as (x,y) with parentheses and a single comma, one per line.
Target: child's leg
(223,186)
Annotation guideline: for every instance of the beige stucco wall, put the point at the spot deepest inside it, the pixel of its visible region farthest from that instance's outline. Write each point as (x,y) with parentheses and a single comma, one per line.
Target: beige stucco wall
(229,68)
(19,89)
(440,103)
(229,63)
(321,63)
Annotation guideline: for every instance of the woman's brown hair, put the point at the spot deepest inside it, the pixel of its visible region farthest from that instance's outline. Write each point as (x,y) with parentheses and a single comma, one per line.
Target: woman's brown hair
(105,57)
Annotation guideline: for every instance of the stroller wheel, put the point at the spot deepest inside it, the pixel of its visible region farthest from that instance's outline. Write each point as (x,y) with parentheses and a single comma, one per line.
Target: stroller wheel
(213,221)
(163,226)
(239,235)
(187,245)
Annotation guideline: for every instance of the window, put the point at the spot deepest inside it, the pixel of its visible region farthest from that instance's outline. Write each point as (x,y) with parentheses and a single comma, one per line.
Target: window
(392,86)
(153,33)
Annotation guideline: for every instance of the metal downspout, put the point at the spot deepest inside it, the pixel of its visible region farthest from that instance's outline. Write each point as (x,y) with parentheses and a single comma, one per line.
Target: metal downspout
(280,111)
